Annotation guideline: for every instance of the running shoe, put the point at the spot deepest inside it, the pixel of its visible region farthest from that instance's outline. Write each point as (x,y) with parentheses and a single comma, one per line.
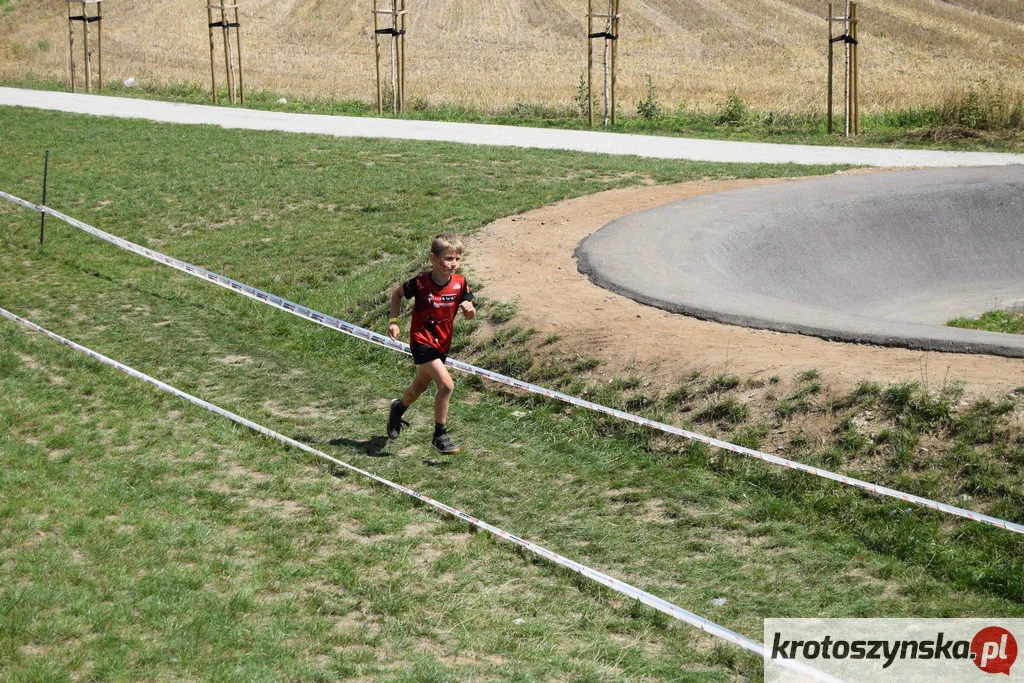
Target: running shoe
(443,442)
(395,421)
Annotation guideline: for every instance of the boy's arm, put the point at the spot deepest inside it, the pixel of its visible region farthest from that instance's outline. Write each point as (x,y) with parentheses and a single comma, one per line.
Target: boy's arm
(396,304)
(466,305)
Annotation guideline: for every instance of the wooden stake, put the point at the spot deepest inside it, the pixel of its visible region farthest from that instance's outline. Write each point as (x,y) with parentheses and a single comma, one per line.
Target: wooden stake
(84,17)
(213,61)
(85,47)
(590,61)
(236,91)
(854,110)
(605,68)
(846,81)
(71,43)
(227,53)
(400,27)
(394,58)
(396,30)
(376,56)
(238,44)
(851,95)
(609,55)
(614,30)
(99,40)
(829,106)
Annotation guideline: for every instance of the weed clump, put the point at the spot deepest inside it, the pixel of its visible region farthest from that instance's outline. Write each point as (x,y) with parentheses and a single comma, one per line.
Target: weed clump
(733,113)
(649,108)
(982,107)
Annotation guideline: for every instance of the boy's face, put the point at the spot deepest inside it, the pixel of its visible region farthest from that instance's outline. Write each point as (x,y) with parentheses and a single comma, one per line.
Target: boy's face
(446,263)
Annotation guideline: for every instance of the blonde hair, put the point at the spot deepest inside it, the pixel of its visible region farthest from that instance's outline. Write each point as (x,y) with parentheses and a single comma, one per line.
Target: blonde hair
(445,241)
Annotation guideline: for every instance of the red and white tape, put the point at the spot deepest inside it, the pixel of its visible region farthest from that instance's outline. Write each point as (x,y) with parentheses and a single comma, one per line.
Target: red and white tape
(621,587)
(368,335)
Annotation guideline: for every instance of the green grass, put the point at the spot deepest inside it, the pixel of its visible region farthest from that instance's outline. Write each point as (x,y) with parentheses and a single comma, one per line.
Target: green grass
(1007,322)
(143,538)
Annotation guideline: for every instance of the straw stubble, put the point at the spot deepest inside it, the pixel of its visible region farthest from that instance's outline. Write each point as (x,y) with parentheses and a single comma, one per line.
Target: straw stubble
(491,55)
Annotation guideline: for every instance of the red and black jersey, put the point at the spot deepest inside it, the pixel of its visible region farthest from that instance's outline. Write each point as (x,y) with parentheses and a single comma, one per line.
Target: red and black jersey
(434,309)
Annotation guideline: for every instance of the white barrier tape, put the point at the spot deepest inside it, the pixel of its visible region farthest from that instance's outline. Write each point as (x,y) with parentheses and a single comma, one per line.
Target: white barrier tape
(621,587)
(362,333)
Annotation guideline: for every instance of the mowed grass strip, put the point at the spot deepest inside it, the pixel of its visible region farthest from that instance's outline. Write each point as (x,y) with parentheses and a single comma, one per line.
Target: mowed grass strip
(144,538)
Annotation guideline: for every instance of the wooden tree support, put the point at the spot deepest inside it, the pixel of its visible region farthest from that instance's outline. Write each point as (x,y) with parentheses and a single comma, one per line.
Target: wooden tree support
(610,36)
(849,39)
(86,19)
(232,59)
(395,10)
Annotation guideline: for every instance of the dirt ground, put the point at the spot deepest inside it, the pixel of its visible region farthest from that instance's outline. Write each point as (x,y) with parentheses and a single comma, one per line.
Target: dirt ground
(528,259)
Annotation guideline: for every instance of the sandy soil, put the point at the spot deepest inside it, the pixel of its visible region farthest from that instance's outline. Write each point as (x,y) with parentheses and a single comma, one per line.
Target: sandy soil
(528,259)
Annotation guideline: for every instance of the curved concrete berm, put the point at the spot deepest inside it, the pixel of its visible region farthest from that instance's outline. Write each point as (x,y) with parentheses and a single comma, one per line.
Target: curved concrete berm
(880,258)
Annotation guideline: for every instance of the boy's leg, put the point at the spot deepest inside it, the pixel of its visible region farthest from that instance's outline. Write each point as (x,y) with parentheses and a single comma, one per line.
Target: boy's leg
(424,376)
(418,385)
(438,374)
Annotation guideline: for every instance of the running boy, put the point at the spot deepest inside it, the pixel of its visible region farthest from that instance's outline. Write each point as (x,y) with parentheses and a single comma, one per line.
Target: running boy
(439,294)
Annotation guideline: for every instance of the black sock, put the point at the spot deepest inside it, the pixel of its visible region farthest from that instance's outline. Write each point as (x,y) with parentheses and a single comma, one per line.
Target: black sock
(401,408)
(439,429)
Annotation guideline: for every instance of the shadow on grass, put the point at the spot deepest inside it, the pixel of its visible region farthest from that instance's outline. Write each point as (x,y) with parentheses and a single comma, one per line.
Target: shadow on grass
(373,447)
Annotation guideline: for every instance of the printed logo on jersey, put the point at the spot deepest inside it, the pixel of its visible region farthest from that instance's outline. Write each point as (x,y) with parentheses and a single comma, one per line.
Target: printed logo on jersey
(443,300)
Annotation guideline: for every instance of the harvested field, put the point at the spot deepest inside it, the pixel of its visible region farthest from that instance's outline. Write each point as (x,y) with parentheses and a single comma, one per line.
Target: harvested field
(771,53)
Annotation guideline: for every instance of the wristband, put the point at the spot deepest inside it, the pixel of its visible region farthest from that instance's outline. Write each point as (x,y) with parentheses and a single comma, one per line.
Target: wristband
(393,320)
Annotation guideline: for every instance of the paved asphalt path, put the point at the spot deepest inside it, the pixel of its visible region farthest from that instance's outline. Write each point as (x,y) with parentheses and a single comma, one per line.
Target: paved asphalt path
(504,136)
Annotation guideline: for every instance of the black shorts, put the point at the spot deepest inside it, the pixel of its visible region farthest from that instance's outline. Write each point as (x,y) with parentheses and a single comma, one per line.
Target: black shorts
(424,354)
